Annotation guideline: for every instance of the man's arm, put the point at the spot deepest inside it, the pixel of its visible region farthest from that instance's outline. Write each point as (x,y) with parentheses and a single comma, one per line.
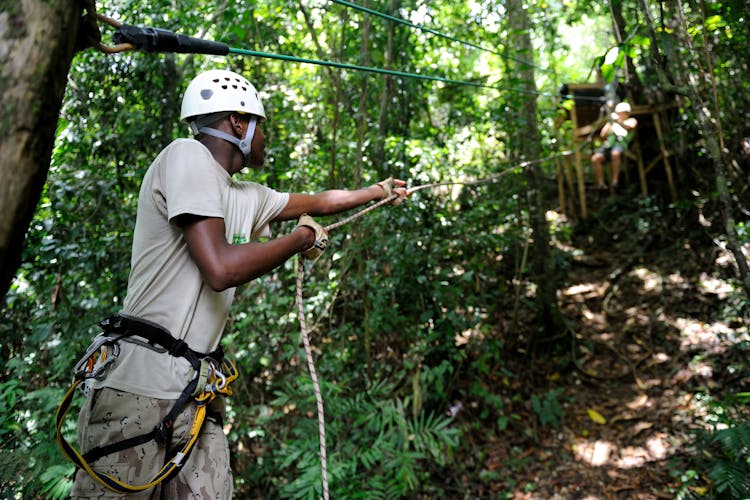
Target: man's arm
(224,265)
(335,200)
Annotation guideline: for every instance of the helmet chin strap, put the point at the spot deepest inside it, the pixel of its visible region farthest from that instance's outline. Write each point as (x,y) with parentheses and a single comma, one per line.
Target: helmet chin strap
(244,145)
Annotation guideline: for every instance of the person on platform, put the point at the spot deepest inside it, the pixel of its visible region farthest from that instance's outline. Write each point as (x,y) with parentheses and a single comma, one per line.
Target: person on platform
(615,135)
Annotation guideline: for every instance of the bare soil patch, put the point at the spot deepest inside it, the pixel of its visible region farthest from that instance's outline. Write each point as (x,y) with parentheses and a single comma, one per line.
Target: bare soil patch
(648,337)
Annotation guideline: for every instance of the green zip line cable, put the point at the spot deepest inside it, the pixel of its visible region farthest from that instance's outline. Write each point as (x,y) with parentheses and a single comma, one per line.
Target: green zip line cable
(159,40)
(369,69)
(403,74)
(436,33)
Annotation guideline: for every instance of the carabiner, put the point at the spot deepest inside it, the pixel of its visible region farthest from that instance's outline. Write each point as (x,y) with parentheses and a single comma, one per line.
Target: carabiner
(217,386)
(102,352)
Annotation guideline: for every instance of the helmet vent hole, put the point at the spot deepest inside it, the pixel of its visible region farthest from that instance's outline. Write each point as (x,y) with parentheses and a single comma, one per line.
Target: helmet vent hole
(242,103)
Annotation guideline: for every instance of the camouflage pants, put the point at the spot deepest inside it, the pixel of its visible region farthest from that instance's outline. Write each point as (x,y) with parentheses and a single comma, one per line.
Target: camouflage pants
(109,416)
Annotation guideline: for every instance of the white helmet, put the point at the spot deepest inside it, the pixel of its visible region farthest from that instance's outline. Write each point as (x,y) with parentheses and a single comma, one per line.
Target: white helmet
(217,91)
(622,107)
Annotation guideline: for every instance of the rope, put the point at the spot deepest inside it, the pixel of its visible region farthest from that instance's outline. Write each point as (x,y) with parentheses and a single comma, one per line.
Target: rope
(404,74)
(361,213)
(313,376)
(306,341)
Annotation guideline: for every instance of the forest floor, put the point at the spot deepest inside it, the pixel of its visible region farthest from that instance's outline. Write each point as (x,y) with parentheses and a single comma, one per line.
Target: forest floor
(620,395)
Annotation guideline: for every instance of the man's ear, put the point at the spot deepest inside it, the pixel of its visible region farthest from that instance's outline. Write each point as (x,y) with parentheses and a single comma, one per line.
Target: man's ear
(234,121)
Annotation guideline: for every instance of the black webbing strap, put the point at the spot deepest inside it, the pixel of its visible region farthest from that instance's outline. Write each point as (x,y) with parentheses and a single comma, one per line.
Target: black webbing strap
(162,433)
(98,452)
(154,334)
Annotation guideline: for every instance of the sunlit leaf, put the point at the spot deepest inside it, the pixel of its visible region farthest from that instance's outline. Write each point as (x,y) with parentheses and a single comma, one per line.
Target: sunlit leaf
(596,417)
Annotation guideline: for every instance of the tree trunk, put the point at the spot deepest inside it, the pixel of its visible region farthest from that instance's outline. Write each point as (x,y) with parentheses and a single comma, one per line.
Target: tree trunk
(37,44)
(337,97)
(361,113)
(378,155)
(528,144)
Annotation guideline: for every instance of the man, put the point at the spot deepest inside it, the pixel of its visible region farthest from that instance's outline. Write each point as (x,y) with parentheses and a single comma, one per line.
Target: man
(191,248)
(615,135)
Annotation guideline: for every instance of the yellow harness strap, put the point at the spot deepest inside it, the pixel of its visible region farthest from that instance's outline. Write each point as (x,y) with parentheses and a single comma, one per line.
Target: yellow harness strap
(212,381)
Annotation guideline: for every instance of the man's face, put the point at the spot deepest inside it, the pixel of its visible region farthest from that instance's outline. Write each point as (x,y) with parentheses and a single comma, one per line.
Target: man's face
(258,149)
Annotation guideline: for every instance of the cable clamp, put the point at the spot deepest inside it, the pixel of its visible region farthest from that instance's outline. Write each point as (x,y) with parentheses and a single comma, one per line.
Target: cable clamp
(161,40)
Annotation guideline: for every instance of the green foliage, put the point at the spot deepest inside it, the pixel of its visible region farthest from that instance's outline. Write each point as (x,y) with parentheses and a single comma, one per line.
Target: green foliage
(721,460)
(727,450)
(403,310)
(548,409)
(25,431)
(57,481)
(730,466)
(376,447)
(492,404)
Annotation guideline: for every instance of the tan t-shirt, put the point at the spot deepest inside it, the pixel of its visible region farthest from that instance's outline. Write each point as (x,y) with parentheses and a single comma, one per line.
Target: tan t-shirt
(165,285)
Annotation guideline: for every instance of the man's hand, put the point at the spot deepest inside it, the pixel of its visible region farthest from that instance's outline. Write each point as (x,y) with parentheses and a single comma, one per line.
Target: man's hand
(321,237)
(393,186)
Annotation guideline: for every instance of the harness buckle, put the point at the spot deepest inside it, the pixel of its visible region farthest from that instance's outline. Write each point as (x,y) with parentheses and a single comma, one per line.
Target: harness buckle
(163,431)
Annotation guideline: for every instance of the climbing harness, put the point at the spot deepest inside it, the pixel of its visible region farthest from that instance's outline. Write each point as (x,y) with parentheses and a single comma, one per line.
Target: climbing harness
(213,374)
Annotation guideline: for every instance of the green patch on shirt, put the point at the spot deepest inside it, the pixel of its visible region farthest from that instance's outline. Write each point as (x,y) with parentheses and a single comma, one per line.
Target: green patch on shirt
(239,238)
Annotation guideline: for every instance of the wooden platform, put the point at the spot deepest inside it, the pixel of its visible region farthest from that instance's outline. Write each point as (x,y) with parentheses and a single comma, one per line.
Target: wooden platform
(587,115)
